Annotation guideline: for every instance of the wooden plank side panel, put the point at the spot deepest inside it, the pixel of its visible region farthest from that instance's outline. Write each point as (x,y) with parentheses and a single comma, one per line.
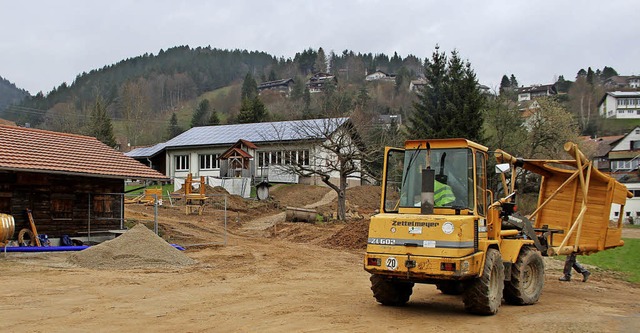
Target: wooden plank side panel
(60,203)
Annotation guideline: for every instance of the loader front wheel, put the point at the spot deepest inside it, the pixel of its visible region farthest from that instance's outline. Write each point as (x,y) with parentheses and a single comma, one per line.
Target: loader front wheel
(390,292)
(484,294)
(527,278)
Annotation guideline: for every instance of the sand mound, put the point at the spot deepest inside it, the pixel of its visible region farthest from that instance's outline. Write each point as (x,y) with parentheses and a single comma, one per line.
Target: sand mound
(137,248)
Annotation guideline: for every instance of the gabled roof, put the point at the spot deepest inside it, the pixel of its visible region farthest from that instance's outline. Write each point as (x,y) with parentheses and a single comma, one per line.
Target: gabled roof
(550,88)
(147,152)
(33,150)
(619,94)
(270,84)
(235,151)
(294,130)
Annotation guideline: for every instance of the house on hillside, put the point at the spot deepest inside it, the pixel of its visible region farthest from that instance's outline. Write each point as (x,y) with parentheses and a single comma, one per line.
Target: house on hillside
(416,84)
(380,76)
(318,81)
(535,91)
(601,147)
(283,86)
(244,153)
(386,120)
(72,184)
(622,82)
(624,161)
(620,105)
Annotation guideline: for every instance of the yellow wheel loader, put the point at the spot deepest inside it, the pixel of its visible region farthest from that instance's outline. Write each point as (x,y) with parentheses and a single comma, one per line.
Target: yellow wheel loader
(438,223)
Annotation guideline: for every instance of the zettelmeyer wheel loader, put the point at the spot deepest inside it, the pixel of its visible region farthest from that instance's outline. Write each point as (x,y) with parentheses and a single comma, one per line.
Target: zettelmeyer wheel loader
(439,224)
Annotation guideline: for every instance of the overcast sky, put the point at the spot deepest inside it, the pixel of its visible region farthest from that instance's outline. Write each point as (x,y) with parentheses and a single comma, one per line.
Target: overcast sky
(45,43)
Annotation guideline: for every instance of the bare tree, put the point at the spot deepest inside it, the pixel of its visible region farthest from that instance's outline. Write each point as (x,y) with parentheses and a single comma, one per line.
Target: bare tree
(336,156)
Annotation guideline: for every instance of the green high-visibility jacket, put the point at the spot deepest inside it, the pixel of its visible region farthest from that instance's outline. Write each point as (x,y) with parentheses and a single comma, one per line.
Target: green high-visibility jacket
(442,194)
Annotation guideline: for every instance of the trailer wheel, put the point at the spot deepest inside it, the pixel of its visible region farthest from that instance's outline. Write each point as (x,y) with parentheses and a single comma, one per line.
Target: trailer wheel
(527,278)
(390,292)
(484,294)
(450,287)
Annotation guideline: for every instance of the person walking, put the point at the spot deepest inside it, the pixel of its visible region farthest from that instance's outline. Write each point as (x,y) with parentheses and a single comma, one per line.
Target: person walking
(572,262)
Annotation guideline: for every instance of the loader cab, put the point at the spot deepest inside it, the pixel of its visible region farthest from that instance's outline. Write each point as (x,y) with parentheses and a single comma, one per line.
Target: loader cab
(439,176)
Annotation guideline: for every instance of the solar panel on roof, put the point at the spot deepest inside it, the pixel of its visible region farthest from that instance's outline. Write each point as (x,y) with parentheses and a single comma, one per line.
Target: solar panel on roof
(256,132)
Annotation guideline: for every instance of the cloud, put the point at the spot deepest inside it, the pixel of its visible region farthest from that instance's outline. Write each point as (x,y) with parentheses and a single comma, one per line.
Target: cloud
(52,42)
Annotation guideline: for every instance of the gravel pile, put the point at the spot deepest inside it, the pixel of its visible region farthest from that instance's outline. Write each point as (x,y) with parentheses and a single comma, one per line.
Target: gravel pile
(137,248)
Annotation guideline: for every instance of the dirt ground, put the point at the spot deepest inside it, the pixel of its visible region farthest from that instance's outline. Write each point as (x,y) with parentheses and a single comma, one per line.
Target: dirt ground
(277,276)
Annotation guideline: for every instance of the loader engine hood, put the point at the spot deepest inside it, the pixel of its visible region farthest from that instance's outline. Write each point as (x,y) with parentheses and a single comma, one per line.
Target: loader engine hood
(423,235)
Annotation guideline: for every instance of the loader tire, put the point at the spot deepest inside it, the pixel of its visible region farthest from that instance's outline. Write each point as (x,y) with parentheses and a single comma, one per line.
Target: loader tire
(390,292)
(527,278)
(450,287)
(484,294)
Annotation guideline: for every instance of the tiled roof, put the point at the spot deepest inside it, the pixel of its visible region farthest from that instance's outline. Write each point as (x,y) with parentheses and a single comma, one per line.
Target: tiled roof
(33,150)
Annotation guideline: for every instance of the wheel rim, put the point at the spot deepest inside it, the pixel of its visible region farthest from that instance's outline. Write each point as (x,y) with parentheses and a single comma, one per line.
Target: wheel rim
(529,276)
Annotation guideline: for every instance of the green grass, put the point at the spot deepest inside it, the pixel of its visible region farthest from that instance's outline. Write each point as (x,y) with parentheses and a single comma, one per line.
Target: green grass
(624,259)
(619,126)
(165,188)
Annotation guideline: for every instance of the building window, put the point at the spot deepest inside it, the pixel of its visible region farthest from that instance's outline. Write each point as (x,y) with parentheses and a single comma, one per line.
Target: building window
(616,214)
(182,162)
(62,206)
(284,157)
(209,162)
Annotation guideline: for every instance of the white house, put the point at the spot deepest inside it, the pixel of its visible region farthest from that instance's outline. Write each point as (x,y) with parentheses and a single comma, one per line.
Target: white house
(380,75)
(247,152)
(624,159)
(619,81)
(620,104)
(534,91)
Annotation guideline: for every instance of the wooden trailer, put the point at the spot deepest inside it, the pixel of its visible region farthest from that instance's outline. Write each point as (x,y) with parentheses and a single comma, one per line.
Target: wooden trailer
(576,199)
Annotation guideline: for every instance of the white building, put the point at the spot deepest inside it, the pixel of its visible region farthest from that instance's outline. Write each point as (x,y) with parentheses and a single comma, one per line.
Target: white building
(532,92)
(248,152)
(624,159)
(620,105)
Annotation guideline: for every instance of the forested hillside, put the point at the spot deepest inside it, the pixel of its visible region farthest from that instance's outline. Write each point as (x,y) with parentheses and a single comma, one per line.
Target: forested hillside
(142,94)
(10,94)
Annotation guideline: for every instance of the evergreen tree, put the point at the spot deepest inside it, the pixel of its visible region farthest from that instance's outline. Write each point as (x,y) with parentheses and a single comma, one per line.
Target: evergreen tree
(252,111)
(321,62)
(213,118)
(100,126)
(450,105)
(199,117)
(249,87)
(505,84)
(590,76)
(272,75)
(297,91)
(581,73)
(514,82)
(608,72)
(174,129)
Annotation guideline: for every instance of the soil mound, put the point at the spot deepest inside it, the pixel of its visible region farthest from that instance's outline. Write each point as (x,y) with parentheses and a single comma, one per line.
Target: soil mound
(352,236)
(137,248)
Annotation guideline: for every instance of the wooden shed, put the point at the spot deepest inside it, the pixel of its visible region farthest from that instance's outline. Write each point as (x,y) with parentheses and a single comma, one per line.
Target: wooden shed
(70,182)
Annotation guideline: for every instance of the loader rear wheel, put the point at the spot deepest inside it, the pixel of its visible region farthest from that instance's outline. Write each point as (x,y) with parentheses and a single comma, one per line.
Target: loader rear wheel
(390,292)
(450,287)
(527,278)
(484,294)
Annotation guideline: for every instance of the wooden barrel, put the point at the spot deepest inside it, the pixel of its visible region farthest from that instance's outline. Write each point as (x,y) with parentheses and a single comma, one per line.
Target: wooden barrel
(7,228)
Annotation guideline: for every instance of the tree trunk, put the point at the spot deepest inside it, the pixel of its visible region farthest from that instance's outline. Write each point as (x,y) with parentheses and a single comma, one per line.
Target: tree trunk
(342,206)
